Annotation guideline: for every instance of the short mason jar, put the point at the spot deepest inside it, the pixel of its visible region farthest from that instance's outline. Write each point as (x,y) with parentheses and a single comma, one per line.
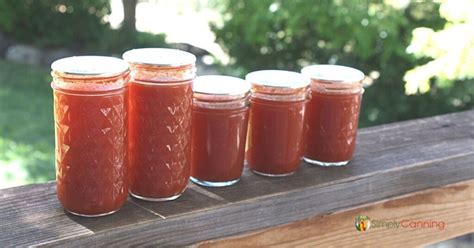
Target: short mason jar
(90,132)
(160,108)
(275,139)
(332,114)
(219,130)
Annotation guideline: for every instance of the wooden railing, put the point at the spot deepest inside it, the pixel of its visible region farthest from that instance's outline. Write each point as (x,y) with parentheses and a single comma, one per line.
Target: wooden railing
(414,170)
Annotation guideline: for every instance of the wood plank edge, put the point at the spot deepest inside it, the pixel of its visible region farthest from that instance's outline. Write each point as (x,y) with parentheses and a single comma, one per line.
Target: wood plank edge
(278,235)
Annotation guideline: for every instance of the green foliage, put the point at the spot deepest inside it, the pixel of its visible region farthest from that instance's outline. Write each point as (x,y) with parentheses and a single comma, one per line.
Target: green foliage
(368,35)
(26,125)
(78,25)
(49,23)
(143,39)
(119,41)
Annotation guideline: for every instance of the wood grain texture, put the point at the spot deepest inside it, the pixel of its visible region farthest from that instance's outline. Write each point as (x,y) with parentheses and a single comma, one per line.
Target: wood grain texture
(35,218)
(192,200)
(391,160)
(452,205)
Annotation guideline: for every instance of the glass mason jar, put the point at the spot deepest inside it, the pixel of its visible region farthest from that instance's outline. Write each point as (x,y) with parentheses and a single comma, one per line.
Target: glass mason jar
(275,139)
(332,114)
(219,129)
(90,132)
(160,107)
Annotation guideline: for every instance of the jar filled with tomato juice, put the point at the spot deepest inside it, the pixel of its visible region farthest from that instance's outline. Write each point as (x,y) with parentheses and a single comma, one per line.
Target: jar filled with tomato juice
(90,131)
(275,139)
(219,130)
(160,109)
(332,114)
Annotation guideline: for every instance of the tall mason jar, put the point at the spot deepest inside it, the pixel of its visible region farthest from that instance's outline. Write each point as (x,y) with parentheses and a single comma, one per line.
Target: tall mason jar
(90,131)
(275,139)
(160,111)
(332,114)
(219,130)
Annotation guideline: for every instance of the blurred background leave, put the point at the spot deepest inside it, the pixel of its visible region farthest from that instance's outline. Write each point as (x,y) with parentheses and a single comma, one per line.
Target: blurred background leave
(449,48)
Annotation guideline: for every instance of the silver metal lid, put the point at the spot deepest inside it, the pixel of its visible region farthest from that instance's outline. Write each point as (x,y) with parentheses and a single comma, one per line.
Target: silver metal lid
(159,57)
(333,73)
(278,79)
(90,65)
(220,85)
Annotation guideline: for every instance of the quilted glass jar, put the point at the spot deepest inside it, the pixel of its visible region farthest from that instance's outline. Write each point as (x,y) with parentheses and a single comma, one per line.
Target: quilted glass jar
(219,130)
(275,137)
(90,132)
(332,114)
(160,108)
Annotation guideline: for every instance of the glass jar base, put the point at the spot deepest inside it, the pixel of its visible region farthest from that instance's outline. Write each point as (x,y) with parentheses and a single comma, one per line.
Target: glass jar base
(325,164)
(213,184)
(272,175)
(155,199)
(91,215)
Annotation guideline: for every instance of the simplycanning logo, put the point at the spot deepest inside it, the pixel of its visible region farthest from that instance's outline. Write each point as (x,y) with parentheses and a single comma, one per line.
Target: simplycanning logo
(363,223)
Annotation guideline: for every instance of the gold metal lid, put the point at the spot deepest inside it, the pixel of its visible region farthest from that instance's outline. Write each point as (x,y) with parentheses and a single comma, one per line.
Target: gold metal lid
(102,66)
(333,73)
(278,79)
(159,57)
(220,85)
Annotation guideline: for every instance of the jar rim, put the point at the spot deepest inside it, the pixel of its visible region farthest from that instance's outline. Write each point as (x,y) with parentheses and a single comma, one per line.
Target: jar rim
(160,57)
(333,73)
(89,83)
(278,79)
(89,66)
(220,85)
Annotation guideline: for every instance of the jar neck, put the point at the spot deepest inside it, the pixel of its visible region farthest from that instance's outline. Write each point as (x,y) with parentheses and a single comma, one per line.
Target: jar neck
(89,84)
(162,74)
(336,88)
(279,94)
(220,101)
(90,93)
